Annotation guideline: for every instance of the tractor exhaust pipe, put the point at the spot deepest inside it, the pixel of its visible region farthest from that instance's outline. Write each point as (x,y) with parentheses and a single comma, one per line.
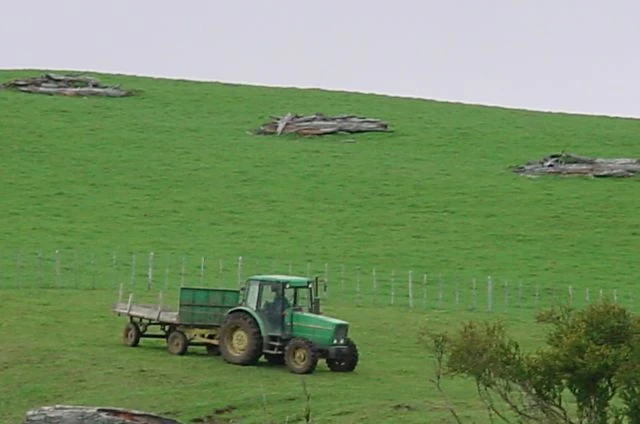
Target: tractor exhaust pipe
(315,306)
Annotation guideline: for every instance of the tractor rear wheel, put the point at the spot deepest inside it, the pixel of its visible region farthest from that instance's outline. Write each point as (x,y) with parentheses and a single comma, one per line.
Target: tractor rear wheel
(131,334)
(240,340)
(177,343)
(348,362)
(301,356)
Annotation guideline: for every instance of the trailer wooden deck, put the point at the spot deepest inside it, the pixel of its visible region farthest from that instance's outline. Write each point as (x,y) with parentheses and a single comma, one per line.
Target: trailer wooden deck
(156,313)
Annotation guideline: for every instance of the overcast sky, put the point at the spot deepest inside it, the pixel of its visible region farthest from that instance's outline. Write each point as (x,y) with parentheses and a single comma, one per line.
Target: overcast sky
(561,55)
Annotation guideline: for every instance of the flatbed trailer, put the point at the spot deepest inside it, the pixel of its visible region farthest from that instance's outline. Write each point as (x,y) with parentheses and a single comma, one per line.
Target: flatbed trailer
(196,322)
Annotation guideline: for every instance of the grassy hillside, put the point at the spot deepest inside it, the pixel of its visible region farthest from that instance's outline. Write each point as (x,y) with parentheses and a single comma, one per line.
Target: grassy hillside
(174,171)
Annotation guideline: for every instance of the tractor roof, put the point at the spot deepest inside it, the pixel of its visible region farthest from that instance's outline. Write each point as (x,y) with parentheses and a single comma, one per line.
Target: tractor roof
(293,280)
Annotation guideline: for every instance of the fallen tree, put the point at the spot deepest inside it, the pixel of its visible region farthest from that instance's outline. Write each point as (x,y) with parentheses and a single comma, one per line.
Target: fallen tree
(570,164)
(319,124)
(66,85)
(64,414)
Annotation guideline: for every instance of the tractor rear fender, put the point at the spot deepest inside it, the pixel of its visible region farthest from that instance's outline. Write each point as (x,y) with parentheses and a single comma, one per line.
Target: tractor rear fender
(252,314)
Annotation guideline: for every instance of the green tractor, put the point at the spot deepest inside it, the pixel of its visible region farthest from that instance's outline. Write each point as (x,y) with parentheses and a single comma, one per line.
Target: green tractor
(279,317)
(275,316)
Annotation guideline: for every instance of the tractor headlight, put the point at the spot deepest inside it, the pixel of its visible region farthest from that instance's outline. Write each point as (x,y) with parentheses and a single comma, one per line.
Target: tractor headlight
(340,334)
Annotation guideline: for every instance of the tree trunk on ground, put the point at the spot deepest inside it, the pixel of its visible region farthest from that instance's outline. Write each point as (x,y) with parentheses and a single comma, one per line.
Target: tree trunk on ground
(76,91)
(570,164)
(66,85)
(63,414)
(319,124)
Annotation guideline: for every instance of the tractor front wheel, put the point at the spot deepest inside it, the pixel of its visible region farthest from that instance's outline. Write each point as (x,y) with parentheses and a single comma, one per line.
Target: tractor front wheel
(240,340)
(301,356)
(131,334)
(177,343)
(348,362)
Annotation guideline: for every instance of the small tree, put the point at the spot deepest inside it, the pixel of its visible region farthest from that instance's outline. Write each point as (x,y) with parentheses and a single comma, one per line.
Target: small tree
(588,371)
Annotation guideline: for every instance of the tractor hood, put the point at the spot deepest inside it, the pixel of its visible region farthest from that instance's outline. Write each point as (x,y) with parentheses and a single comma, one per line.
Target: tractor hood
(329,322)
(320,329)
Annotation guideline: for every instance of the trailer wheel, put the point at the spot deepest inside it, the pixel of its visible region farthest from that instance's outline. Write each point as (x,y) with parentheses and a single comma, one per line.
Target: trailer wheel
(301,356)
(131,334)
(177,343)
(240,340)
(347,363)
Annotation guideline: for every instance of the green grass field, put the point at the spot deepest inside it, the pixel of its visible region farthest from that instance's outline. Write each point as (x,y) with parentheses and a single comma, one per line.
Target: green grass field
(174,171)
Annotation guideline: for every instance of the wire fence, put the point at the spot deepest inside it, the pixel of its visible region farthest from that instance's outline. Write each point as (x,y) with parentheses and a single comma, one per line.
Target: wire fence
(341,283)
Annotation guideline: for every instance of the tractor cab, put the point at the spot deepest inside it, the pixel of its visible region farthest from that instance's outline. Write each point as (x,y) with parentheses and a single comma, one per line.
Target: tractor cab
(276,297)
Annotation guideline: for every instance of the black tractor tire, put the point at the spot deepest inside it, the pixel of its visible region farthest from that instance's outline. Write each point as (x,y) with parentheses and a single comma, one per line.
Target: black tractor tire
(301,356)
(177,343)
(213,350)
(131,334)
(240,340)
(349,362)
(274,359)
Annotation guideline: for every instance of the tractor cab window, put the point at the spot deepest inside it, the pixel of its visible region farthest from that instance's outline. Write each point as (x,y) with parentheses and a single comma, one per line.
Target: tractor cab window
(252,294)
(301,298)
(274,297)
(274,301)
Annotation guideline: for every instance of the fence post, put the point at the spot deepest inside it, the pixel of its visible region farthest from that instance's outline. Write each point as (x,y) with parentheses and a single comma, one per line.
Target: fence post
(326,280)
(221,272)
(506,295)
(41,269)
(520,294)
(150,272)
(93,270)
(239,270)
(58,279)
(358,286)
(424,291)
(375,286)
(489,294)
(115,268)
(166,278)
(474,294)
(570,295)
(18,263)
(182,271)
(411,289)
(440,291)
(393,283)
(76,269)
(133,269)
(587,296)
(202,271)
